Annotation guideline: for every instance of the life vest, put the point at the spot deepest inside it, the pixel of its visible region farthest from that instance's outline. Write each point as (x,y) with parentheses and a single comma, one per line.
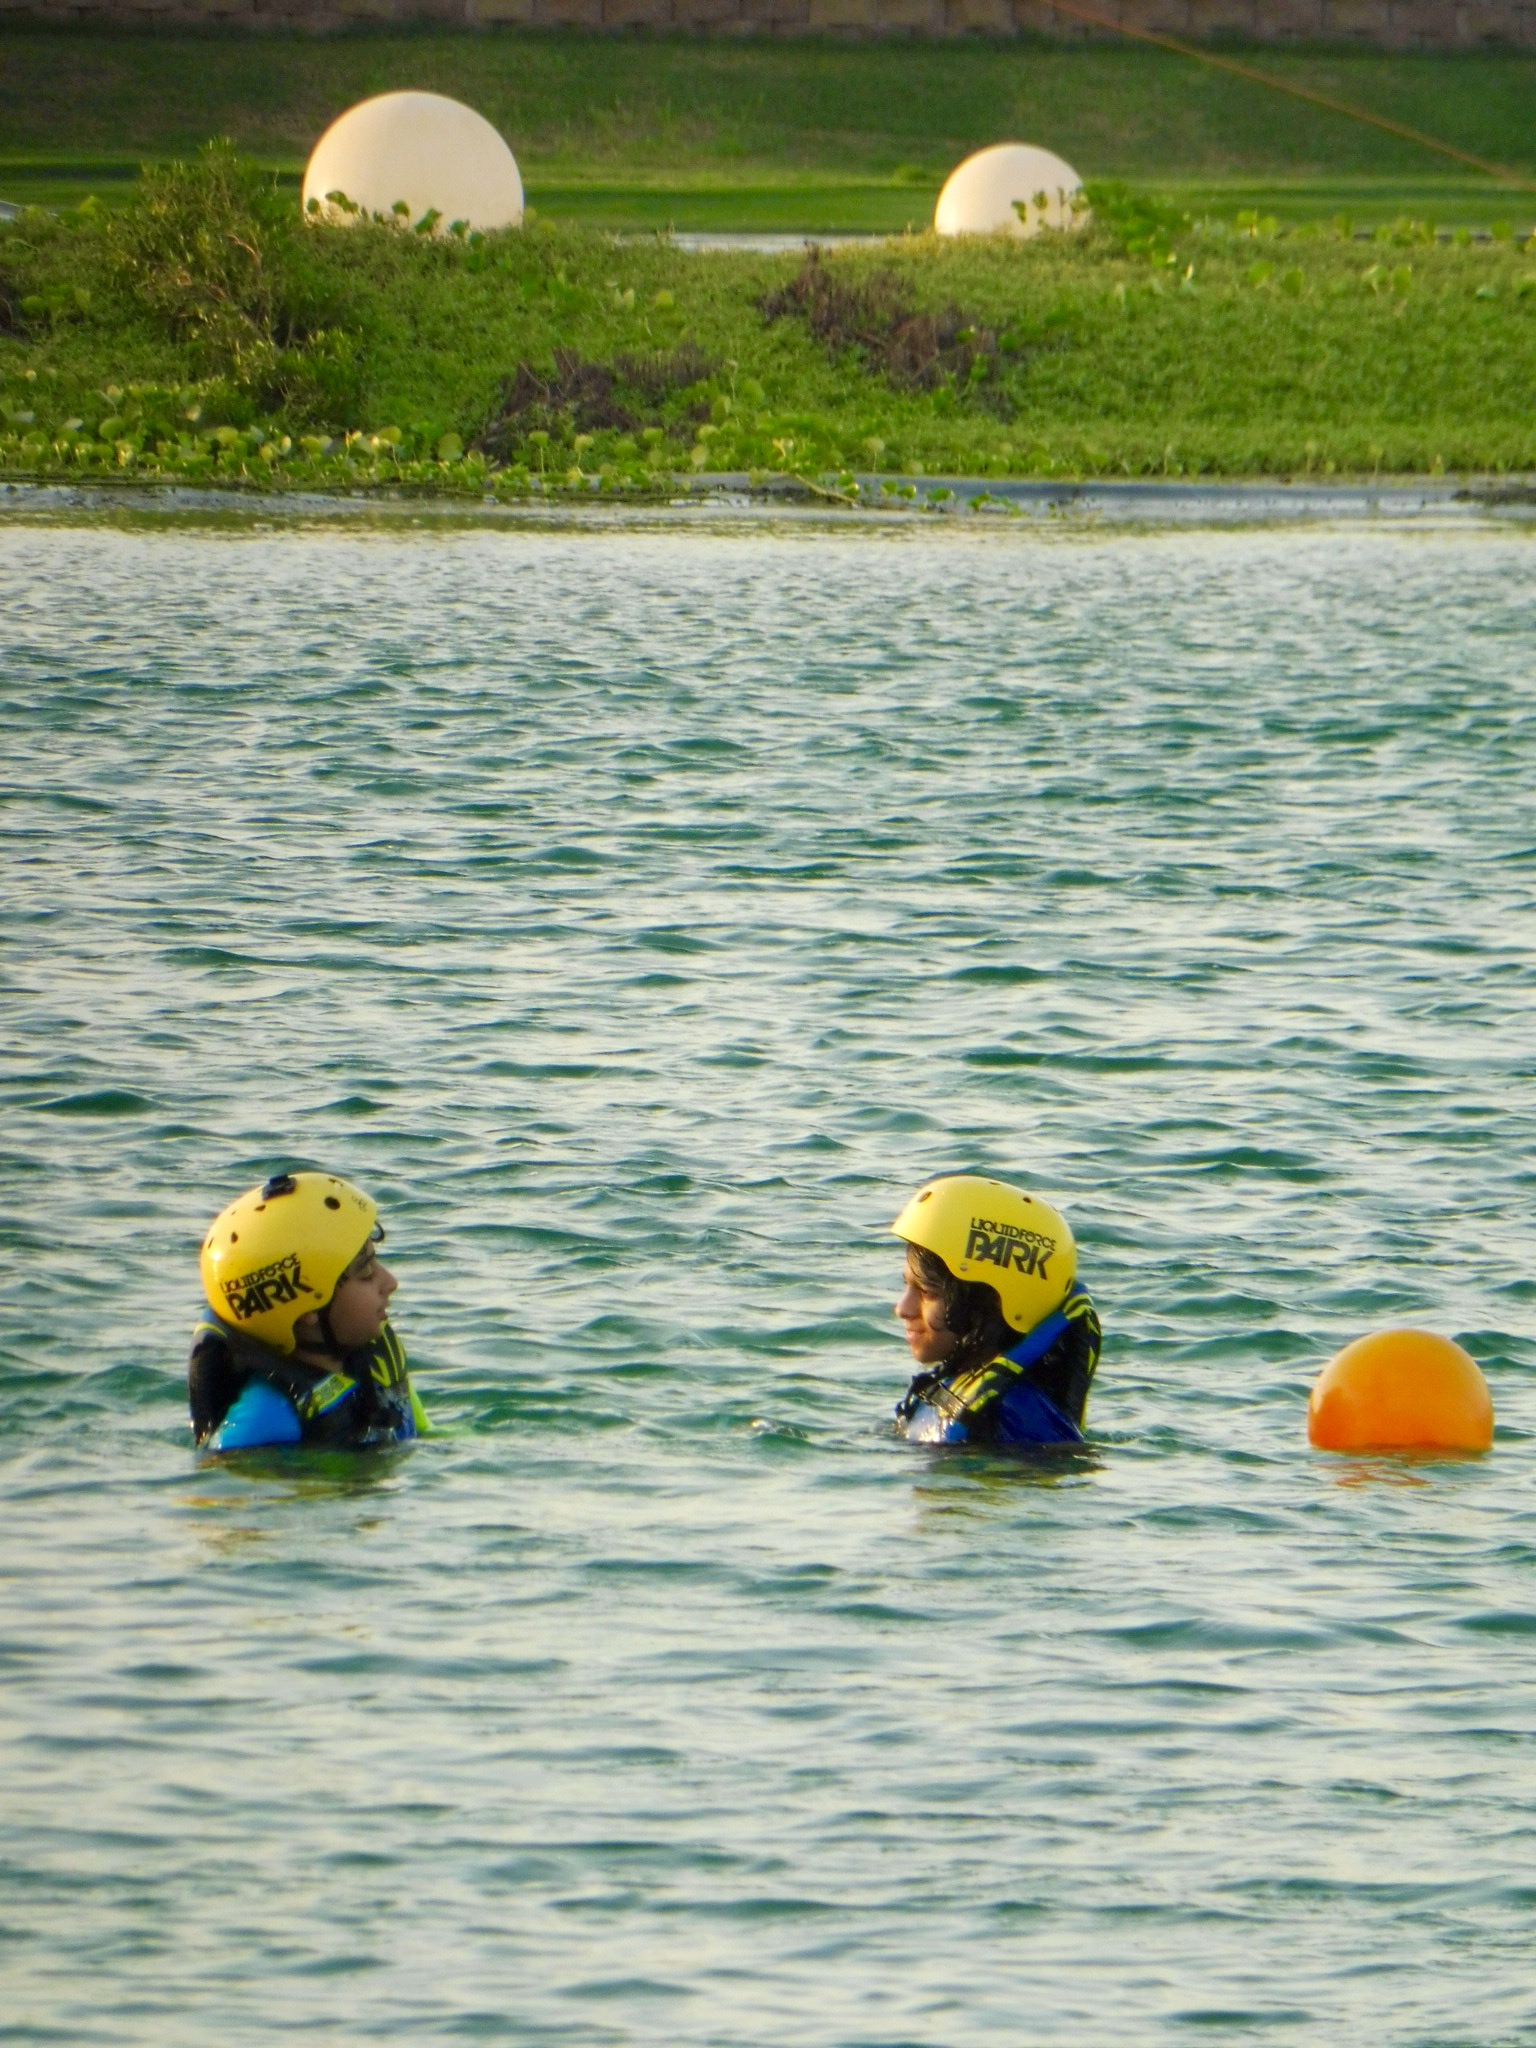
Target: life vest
(244,1394)
(1034,1395)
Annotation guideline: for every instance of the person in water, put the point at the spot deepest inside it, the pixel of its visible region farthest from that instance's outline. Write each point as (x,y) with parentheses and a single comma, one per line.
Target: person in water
(1005,1340)
(296,1345)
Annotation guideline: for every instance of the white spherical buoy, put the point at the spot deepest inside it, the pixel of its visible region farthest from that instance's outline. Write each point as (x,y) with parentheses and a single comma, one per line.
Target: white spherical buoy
(985,195)
(419,150)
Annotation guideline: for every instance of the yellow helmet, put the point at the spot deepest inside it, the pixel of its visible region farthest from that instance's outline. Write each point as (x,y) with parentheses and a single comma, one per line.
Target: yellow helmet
(989,1231)
(278,1252)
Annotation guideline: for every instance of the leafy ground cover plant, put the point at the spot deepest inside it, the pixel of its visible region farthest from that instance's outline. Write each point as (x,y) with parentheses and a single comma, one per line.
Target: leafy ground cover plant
(576,399)
(878,315)
(209,333)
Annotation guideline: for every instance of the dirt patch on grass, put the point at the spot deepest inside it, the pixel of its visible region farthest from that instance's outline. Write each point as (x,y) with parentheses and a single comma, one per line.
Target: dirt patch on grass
(582,397)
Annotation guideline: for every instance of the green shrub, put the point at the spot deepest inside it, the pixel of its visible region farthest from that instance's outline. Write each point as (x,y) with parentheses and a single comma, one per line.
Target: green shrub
(217,257)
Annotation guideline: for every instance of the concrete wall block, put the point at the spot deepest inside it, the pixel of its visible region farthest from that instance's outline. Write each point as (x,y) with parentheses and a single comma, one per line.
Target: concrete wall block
(518,12)
(1039,18)
(567,14)
(913,17)
(1162,17)
(861,16)
(718,15)
(1286,21)
(1355,21)
(637,13)
(312,17)
(1422,24)
(777,16)
(1486,21)
(963,18)
(1224,17)
(1424,21)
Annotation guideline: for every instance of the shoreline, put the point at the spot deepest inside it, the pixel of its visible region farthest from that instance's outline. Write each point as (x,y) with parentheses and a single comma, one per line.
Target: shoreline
(885,501)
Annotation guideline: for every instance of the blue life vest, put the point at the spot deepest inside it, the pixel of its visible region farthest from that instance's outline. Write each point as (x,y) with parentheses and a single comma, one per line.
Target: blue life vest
(260,1415)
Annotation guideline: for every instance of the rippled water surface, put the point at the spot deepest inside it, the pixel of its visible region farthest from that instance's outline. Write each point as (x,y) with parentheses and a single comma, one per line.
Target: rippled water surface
(640,913)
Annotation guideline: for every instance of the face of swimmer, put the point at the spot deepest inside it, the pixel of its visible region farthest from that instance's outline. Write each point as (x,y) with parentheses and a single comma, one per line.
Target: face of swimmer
(922,1317)
(358,1307)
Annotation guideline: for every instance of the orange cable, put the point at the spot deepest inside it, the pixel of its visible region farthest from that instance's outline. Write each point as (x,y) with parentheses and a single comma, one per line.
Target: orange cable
(1299,92)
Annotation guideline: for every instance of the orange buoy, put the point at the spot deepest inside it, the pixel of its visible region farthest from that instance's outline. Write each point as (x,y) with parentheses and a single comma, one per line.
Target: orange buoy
(1401,1390)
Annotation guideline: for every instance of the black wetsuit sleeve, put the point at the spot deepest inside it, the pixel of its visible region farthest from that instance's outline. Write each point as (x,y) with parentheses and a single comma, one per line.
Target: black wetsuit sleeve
(213,1381)
(1066,1372)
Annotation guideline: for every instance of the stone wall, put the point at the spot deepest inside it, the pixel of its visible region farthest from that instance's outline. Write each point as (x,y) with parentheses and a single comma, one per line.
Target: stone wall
(1384,24)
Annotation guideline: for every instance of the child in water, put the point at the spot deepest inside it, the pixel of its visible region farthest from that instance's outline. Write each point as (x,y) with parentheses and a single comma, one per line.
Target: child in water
(1005,1340)
(296,1346)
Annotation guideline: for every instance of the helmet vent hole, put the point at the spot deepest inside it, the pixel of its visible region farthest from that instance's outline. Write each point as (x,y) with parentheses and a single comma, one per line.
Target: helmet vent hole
(234,1237)
(331,1202)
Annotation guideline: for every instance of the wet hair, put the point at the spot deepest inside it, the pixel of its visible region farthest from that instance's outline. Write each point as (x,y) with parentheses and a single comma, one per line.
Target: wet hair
(972,1311)
(323,1315)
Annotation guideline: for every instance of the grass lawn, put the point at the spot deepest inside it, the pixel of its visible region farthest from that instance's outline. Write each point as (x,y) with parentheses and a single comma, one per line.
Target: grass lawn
(626,132)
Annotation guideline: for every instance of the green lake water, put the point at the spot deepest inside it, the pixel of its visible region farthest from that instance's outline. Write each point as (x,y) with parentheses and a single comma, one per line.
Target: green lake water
(640,913)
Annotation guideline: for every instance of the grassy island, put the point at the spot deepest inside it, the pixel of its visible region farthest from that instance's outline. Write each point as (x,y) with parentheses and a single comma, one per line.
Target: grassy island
(204,331)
